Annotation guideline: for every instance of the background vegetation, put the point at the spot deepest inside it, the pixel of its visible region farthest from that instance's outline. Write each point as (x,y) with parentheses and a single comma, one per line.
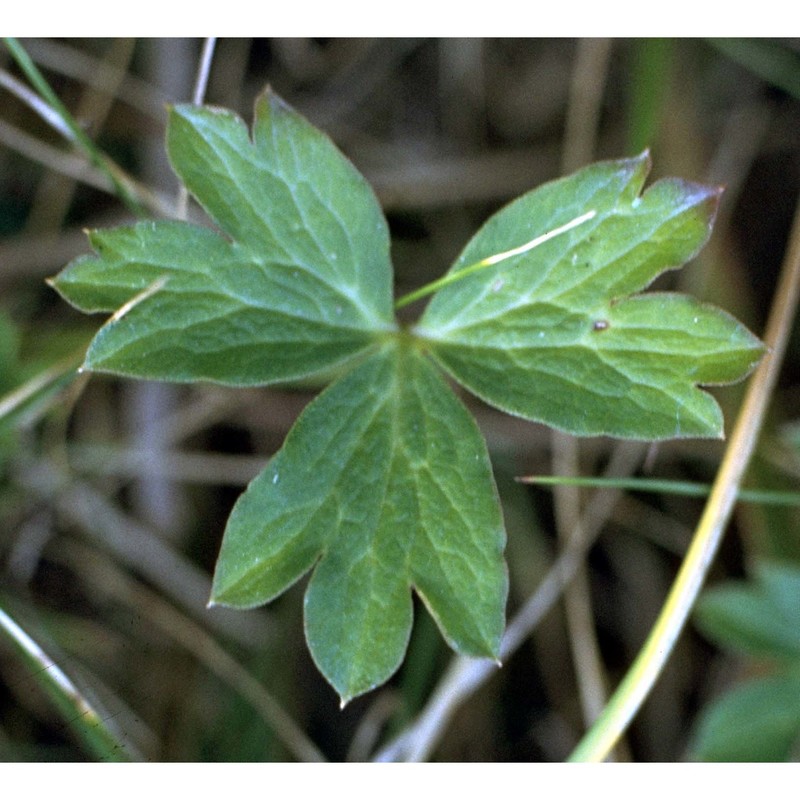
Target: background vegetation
(114,494)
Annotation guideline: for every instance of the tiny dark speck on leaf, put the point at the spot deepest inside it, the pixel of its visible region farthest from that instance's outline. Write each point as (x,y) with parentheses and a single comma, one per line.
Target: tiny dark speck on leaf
(600,325)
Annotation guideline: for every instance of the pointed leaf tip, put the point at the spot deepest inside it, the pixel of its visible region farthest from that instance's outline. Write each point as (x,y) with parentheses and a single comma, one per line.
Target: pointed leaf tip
(299,283)
(408,523)
(288,294)
(559,335)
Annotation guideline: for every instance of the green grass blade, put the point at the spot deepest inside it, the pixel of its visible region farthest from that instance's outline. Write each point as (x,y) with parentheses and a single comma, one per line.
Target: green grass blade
(30,397)
(648,665)
(771,61)
(650,67)
(684,488)
(95,156)
(77,711)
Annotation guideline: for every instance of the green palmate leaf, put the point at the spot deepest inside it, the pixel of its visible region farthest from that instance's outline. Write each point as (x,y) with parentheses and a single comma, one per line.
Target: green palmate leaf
(760,617)
(549,333)
(756,721)
(385,484)
(760,719)
(301,282)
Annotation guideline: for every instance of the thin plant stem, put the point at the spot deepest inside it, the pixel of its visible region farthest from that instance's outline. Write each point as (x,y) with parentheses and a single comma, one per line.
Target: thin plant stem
(647,667)
(197,641)
(54,195)
(133,196)
(583,111)
(138,546)
(586,93)
(80,714)
(56,113)
(589,672)
(34,102)
(371,725)
(65,59)
(200,86)
(53,376)
(53,158)
(204,70)
(214,469)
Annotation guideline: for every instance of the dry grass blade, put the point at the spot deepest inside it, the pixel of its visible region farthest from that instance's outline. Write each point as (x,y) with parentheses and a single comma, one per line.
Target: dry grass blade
(103,576)
(648,665)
